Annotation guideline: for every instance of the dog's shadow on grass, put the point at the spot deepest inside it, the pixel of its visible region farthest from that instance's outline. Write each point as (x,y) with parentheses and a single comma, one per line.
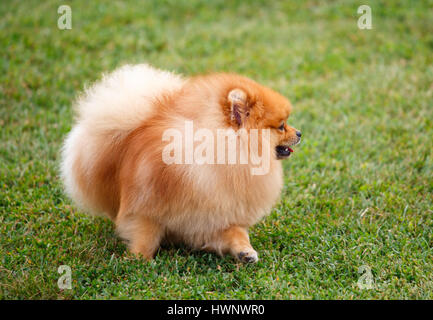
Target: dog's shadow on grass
(178,258)
(107,241)
(196,261)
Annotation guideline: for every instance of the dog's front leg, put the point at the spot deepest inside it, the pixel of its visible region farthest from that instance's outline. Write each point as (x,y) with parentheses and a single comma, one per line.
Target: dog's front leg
(234,240)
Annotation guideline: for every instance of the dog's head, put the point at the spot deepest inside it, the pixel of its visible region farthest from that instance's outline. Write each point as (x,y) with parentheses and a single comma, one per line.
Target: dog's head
(252,106)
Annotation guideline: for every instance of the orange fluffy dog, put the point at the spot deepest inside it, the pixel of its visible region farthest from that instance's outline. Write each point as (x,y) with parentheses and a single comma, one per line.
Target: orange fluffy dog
(114,159)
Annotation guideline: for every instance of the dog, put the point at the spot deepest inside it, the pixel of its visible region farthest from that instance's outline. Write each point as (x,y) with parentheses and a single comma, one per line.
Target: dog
(113,158)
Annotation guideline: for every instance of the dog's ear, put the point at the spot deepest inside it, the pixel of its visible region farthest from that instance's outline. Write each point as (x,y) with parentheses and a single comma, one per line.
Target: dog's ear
(239,107)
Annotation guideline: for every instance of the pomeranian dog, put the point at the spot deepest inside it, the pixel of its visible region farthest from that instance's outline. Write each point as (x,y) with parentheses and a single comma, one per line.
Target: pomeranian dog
(117,161)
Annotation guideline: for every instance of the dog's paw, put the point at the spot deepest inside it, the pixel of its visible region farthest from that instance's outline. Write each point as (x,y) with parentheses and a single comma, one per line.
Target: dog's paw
(248,256)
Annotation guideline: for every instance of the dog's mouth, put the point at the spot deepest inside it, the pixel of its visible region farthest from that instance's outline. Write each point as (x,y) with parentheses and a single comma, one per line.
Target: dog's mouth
(283,152)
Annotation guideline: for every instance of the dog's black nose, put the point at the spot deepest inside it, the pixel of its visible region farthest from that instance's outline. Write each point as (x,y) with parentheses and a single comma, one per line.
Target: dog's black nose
(298,133)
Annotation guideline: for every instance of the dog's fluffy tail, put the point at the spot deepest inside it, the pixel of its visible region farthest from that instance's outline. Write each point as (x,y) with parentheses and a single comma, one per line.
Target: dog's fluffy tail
(123,99)
(106,112)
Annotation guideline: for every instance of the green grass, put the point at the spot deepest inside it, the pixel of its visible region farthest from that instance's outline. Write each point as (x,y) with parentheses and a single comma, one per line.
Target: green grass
(358,190)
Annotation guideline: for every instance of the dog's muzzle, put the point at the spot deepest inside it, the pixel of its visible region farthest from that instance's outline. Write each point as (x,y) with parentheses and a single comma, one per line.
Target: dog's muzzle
(284,151)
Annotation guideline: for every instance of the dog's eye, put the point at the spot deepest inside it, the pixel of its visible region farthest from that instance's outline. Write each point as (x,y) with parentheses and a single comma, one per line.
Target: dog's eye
(281,127)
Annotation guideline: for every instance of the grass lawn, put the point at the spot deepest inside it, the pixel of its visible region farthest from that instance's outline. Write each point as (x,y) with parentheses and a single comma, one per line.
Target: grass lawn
(358,190)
